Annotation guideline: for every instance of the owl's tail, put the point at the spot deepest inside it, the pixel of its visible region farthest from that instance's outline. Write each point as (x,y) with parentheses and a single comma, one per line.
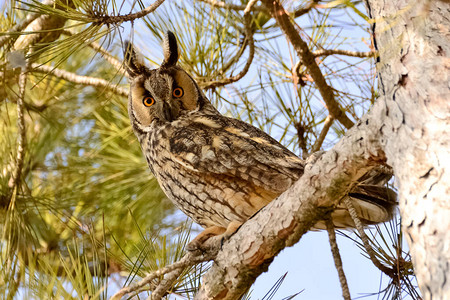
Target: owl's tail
(373,201)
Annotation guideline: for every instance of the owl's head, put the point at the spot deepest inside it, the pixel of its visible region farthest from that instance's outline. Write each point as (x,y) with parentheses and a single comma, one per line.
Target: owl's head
(163,94)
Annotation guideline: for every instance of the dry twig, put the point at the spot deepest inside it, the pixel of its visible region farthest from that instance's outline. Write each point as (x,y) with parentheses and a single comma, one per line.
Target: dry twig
(337,259)
(308,59)
(130,17)
(328,52)
(326,127)
(172,272)
(251,44)
(365,239)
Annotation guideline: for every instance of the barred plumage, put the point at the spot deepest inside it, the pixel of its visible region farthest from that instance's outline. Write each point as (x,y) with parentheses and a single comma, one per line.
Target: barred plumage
(220,170)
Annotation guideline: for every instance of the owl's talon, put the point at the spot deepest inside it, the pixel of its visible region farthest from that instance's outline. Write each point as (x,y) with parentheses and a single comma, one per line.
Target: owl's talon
(193,246)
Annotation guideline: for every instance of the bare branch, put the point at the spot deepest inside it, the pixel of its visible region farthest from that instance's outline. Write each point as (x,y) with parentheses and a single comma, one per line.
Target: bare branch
(21,138)
(308,60)
(365,240)
(222,4)
(164,285)
(130,17)
(190,259)
(250,42)
(326,127)
(337,259)
(78,79)
(304,10)
(328,52)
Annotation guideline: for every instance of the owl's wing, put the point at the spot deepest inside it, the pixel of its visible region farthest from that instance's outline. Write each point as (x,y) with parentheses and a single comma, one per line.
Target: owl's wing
(219,145)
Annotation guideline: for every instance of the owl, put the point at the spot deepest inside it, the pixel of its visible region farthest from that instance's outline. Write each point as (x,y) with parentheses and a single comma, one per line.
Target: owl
(219,170)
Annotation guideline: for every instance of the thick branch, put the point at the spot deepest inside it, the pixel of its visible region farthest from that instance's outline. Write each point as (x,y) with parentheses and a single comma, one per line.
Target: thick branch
(308,60)
(412,38)
(78,79)
(283,222)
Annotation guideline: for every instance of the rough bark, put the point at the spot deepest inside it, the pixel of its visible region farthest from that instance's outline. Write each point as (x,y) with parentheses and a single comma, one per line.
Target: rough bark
(408,125)
(283,222)
(413,41)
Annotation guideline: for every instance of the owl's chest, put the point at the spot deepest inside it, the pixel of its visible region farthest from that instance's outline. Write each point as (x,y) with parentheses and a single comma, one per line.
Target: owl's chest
(200,195)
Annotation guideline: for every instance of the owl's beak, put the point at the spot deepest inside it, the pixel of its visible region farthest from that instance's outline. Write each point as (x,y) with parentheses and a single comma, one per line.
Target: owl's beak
(167,111)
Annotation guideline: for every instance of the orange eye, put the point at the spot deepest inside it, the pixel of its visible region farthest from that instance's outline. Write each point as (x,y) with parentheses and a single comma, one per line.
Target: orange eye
(178,92)
(148,101)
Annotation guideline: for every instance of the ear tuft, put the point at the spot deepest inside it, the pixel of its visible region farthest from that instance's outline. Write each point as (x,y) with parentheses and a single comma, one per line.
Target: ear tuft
(171,52)
(134,62)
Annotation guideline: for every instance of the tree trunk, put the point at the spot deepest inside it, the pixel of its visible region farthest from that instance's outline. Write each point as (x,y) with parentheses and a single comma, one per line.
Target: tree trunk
(413,41)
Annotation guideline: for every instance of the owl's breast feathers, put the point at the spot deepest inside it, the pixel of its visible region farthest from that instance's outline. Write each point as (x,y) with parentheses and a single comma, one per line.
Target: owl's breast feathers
(220,164)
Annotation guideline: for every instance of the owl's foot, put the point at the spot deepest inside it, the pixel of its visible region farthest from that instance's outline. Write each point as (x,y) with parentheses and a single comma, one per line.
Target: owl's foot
(196,244)
(225,233)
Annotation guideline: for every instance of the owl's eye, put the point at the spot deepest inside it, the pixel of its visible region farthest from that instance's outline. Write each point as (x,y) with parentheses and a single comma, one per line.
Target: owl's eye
(148,101)
(178,92)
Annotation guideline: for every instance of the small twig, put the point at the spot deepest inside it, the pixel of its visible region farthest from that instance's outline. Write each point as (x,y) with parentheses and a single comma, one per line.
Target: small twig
(130,17)
(251,44)
(308,59)
(84,80)
(326,127)
(337,259)
(21,138)
(189,259)
(18,27)
(365,239)
(165,284)
(327,52)
(222,4)
(304,10)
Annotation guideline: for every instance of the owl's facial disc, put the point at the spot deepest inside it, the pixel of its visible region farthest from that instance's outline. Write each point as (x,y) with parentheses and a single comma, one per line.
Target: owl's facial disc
(163,95)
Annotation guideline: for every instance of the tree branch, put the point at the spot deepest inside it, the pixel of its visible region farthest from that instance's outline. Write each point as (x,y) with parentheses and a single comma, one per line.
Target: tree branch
(308,60)
(250,42)
(372,255)
(337,259)
(21,138)
(189,259)
(326,127)
(78,79)
(222,4)
(304,10)
(130,17)
(282,222)
(328,52)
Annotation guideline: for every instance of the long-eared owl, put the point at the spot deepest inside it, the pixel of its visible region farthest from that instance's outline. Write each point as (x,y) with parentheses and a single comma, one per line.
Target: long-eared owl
(218,170)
